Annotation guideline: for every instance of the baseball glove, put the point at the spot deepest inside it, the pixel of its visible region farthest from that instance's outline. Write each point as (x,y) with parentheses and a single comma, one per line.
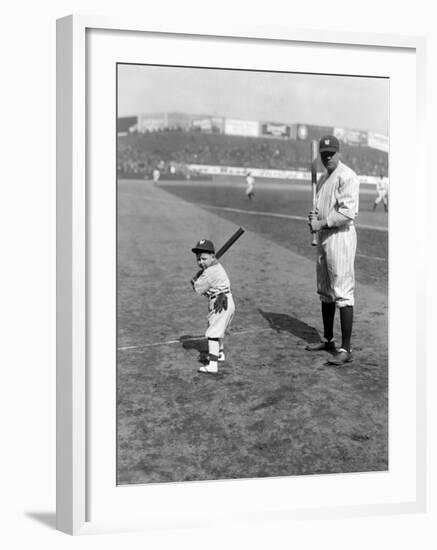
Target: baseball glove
(221,303)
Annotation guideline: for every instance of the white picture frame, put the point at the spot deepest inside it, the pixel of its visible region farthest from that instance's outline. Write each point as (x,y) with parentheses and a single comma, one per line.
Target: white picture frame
(74,341)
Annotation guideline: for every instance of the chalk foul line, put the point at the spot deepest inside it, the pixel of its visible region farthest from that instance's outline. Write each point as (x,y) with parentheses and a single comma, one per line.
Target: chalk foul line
(277,215)
(271,214)
(250,212)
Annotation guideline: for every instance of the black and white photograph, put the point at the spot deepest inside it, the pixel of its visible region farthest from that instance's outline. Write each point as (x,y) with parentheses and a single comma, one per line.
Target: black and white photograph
(252,273)
(218,313)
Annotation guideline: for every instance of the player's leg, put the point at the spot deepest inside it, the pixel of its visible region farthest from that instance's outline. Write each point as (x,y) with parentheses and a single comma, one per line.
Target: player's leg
(213,355)
(377,200)
(342,257)
(346,321)
(221,356)
(327,304)
(328,315)
(225,321)
(217,325)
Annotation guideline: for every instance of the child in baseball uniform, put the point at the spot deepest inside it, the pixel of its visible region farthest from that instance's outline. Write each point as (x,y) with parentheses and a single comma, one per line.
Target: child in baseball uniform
(213,283)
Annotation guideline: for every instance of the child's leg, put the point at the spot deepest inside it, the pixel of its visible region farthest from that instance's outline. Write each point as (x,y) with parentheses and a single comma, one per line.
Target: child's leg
(221,356)
(213,352)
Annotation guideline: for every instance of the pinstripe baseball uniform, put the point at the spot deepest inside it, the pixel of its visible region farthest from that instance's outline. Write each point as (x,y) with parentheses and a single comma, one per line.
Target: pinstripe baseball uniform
(210,283)
(337,203)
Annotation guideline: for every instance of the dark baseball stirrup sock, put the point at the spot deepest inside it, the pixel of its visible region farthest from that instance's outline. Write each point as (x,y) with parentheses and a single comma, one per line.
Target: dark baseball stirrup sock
(346,321)
(213,351)
(328,314)
(221,345)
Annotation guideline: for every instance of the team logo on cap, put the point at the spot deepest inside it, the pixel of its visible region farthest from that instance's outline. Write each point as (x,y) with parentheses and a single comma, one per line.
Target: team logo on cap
(327,141)
(202,241)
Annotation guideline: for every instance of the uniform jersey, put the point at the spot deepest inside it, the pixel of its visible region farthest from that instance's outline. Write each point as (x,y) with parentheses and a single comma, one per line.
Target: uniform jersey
(213,281)
(338,193)
(382,186)
(337,203)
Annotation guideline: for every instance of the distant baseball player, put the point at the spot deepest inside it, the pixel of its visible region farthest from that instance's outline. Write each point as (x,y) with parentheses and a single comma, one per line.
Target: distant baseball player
(333,221)
(213,282)
(156,174)
(381,193)
(250,186)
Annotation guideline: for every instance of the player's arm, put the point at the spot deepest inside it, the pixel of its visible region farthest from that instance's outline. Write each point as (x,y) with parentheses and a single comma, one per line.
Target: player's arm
(346,206)
(201,283)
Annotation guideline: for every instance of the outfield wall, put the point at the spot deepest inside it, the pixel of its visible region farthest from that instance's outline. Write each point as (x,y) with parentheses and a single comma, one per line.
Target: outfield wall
(209,170)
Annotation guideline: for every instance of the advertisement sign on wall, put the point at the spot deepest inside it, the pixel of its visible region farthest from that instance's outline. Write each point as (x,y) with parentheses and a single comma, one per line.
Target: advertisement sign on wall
(204,124)
(147,124)
(351,137)
(275,129)
(237,127)
(309,131)
(378,141)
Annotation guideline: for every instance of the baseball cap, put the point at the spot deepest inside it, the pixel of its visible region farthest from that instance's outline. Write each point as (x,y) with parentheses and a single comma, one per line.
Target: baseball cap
(329,143)
(203,246)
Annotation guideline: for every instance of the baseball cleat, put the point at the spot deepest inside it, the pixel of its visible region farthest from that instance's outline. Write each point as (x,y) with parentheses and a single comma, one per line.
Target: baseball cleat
(208,369)
(221,356)
(343,356)
(321,346)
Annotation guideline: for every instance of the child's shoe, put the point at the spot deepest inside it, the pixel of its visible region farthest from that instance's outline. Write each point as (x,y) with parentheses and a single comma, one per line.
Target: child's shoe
(209,369)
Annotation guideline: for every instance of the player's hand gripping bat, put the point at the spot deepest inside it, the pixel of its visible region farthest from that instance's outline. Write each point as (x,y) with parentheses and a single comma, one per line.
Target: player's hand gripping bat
(314,152)
(223,249)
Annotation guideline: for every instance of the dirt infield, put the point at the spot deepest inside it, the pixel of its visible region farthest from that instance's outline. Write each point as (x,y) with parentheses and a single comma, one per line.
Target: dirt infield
(274,409)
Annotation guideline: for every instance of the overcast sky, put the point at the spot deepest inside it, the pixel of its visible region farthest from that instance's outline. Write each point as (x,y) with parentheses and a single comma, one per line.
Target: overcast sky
(360,103)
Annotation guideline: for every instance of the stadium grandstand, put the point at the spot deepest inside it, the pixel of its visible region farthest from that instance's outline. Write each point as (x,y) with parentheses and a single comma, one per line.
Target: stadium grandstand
(181,144)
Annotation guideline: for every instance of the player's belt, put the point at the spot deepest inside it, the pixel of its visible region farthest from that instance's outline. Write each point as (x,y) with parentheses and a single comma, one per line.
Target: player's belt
(222,292)
(338,228)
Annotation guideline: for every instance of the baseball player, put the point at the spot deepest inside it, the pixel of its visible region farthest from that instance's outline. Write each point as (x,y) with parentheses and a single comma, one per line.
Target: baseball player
(156,175)
(381,193)
(212,281)
(333,221)
(250,186)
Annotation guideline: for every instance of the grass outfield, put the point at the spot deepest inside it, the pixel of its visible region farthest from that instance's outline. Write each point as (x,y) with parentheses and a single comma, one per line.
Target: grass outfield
(274,409)
(226,198)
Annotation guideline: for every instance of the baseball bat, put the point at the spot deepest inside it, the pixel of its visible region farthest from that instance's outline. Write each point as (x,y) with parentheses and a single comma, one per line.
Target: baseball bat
(314,153)
(230,242)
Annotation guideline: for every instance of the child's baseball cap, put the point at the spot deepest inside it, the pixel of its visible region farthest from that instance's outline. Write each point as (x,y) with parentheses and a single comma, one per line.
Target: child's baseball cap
(203,246)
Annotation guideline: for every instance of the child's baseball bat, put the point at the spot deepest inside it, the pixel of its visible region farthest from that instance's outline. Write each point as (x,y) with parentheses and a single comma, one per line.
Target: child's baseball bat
(314,153)
(230,242)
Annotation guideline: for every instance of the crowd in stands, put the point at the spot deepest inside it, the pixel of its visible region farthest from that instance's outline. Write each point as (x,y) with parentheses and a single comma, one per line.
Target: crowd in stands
(139,154)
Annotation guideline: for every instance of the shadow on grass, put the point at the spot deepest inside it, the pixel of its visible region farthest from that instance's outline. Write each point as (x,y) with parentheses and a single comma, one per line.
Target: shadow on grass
(282,322)
(198,343)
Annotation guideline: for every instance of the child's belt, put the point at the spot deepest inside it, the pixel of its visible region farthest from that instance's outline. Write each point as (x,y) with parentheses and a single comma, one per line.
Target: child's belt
(217,293)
